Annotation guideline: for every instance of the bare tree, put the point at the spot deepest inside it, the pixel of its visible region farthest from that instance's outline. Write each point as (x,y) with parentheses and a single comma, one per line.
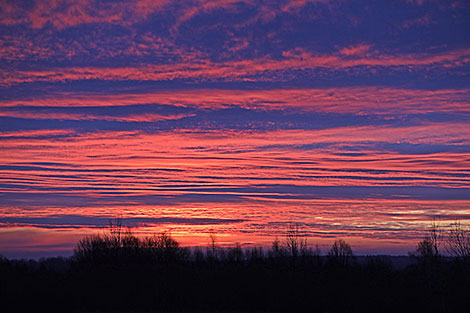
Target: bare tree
(213,251)
(294,242)
(213,242)
(341,252)
(458,241)
(428,248)
(435,236)
(163,247)
(235,254)
(425,249)
(278,250)
(115,230)
(276,247)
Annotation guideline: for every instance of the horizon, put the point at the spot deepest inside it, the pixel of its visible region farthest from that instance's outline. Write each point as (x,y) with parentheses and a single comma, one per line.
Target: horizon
(234,118)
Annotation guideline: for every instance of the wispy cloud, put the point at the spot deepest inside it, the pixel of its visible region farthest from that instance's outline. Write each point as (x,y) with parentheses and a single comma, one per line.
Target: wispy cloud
(250,70)
(357,100)
(146,117)
(63,14)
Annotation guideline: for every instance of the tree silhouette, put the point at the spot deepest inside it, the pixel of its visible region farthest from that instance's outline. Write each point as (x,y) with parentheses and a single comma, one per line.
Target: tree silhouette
(458,241)
(155,274)
(276,248)
(340,253)
(428,248)
(295,244)
(115,229)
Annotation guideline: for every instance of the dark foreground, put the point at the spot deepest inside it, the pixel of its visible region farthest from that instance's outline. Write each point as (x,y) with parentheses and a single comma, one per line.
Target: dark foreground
(232,280)
(122,273)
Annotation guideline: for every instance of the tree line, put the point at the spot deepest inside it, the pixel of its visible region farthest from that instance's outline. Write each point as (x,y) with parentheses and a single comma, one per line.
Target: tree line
(456,242)
(120,272)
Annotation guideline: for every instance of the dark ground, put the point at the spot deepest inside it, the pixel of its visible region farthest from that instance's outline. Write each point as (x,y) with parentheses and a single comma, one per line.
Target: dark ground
(175,279)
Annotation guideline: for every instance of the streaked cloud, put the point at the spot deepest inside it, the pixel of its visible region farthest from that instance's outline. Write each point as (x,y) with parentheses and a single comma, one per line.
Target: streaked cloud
(233,117)
(247,70)
(357,100)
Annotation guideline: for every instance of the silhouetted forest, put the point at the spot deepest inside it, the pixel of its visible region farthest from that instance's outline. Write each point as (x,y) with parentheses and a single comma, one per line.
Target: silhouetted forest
(120,272)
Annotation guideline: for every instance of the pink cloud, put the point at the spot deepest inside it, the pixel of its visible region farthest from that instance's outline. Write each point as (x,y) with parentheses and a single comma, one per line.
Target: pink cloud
(293,5)
(421,21)
(36,133)
(355,50)
(204,70)
(146,117)
(357,100)
(149,117)
(227,159)
(225,142)
(62,14)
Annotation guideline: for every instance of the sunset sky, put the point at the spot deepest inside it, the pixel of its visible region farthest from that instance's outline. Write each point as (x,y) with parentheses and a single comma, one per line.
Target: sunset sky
(234,118)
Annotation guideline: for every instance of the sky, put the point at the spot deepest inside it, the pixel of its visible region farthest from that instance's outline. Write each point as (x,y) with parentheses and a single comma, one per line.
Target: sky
(233,118)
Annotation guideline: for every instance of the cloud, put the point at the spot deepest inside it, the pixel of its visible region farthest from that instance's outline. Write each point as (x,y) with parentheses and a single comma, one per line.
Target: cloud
(37,133)
(62,14)
(166,166)
(145,117)
(294,5)
(355,50)
(252,70)
(79,221)
(197,116)
(344,100)
(420,21)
